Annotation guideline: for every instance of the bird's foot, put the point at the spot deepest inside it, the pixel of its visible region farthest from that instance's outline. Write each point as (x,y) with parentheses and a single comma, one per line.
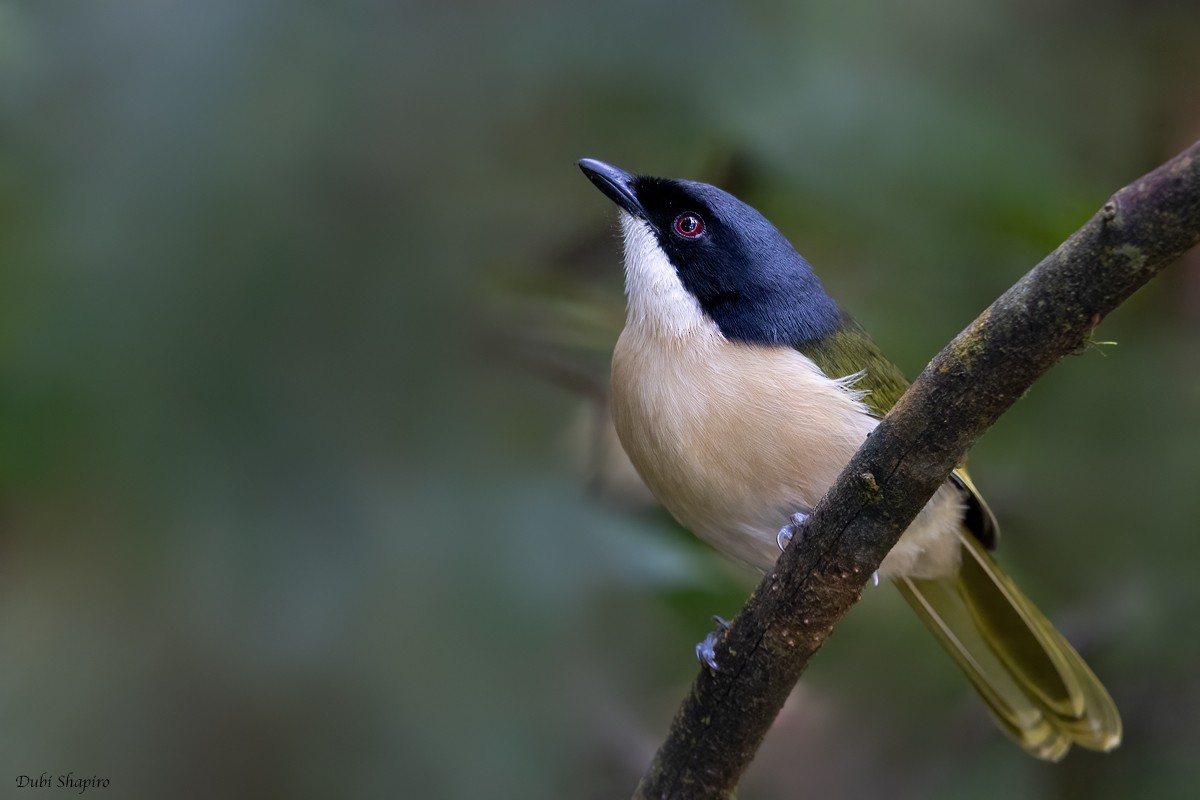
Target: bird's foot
(706,651)
(790,530)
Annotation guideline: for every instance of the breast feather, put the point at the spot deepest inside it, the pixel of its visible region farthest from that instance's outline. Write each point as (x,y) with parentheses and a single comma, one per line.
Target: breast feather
(733,438)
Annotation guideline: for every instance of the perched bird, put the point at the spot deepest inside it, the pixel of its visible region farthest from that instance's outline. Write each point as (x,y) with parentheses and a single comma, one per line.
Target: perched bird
(740,390)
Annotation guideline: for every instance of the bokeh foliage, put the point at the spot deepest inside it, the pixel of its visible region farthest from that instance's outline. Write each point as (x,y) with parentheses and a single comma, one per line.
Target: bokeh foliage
(303,314)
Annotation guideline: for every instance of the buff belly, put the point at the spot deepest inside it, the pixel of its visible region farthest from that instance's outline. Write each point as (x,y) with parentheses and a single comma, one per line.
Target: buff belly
(735,438)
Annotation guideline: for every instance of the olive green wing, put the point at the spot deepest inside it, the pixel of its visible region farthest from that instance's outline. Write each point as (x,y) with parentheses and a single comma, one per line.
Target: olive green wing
(851,351)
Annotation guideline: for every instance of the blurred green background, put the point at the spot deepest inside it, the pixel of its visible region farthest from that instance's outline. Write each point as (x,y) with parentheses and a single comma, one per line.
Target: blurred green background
(304,321)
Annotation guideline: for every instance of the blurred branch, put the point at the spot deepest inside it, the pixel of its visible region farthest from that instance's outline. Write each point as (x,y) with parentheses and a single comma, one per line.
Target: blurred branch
(1048,314)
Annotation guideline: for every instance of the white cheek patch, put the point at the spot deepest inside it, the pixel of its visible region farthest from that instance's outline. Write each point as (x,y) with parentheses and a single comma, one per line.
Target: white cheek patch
(657,298)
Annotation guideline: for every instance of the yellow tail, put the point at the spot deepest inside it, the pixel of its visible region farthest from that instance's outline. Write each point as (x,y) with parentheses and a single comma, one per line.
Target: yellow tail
(1040,691)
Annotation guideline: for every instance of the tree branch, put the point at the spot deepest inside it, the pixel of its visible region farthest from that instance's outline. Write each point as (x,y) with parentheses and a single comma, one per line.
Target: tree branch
(1049,313)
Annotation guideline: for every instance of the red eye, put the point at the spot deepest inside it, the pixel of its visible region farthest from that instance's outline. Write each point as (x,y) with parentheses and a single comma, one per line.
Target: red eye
(689,225)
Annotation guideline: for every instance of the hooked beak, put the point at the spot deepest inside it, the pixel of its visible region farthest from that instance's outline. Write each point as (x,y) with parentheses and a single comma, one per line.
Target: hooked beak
(617,184)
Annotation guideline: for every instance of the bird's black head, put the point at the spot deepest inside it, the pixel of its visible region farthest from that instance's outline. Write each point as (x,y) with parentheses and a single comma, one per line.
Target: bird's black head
(741,271)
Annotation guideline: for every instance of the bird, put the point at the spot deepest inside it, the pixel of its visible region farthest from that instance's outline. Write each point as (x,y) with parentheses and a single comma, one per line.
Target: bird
(739,391)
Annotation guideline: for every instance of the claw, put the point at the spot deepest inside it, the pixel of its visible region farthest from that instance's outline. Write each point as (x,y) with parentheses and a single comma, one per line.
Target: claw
(788,531)
(876,577)
(785,536)
(706,651)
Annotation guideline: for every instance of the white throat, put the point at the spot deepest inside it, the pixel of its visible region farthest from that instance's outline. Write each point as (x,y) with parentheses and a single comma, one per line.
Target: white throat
(657,299)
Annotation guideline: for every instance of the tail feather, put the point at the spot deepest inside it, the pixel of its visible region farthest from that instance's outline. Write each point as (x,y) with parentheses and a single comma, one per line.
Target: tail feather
(1037,687)
(1004,615)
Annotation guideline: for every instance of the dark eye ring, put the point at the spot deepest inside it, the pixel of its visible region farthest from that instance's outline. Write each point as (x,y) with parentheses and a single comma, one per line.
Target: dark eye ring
(689,225)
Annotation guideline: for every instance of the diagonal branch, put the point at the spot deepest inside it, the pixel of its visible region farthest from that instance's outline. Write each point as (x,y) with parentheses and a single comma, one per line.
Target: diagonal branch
(1048,314)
